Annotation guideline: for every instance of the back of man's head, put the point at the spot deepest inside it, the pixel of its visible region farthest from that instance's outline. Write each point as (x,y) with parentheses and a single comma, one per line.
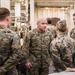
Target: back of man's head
(61,26)
(4,12)
(49,21)
(74,14)
(74,18)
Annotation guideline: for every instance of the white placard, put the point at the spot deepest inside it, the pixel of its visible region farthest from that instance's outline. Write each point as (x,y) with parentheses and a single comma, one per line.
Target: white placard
(63,73)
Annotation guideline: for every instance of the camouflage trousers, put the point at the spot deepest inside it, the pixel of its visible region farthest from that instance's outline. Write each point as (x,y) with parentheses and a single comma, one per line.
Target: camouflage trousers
(37,71)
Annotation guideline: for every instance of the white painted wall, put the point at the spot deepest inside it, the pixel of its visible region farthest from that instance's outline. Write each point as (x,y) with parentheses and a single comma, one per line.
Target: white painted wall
(55,12)
(48,13)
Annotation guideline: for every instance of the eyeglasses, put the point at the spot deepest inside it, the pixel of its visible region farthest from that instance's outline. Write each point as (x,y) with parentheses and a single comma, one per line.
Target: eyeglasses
(43,23)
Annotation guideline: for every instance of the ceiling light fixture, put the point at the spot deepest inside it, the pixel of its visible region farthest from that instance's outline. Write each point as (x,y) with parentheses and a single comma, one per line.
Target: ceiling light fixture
(46,7)
(62,8)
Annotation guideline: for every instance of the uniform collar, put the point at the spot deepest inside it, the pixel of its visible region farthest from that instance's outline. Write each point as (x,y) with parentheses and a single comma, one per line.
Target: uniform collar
(4,29)
(39,31)
(61,35)
(2,26)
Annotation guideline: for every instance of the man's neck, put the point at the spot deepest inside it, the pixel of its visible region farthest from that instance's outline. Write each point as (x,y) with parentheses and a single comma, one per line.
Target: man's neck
(3,23)
(39,30)
(59,33)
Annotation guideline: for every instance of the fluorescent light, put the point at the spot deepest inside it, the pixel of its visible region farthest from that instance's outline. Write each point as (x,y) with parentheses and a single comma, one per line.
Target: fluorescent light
(62,8)
(46,7)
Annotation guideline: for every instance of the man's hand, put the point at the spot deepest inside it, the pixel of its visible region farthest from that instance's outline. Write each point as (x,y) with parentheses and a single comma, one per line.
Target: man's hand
(70,69)
(29,65)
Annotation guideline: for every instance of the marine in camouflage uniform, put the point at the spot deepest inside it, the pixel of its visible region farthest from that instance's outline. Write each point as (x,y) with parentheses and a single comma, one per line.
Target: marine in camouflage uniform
(72,32)
(72,35)
(51,28)
(62,48)
(10,53)
(37,49)
(8,41)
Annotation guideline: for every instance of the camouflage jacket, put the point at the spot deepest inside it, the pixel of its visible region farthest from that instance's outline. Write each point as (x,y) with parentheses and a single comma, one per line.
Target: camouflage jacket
(9,49)
(72,33)
(52,30)
(37,44)
(62,49)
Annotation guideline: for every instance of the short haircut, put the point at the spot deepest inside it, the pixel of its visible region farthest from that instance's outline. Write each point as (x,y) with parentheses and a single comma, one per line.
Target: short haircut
(61,25)
(74,14)
(4,12)
(49,21)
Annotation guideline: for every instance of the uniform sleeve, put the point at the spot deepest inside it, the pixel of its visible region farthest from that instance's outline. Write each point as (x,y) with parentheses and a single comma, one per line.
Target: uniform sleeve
(72,33)
(14,57)
(51,36)
(55,56)
(26,46)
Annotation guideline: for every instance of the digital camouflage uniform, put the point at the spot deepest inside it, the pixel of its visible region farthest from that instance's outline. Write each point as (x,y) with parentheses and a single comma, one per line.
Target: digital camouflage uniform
(37,51)
(72,33)
(52,30)
(62,49)
(9,51)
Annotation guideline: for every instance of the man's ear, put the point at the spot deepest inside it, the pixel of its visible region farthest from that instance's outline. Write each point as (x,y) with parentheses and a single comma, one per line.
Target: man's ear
(37,23)
(57,29)
(8,18)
